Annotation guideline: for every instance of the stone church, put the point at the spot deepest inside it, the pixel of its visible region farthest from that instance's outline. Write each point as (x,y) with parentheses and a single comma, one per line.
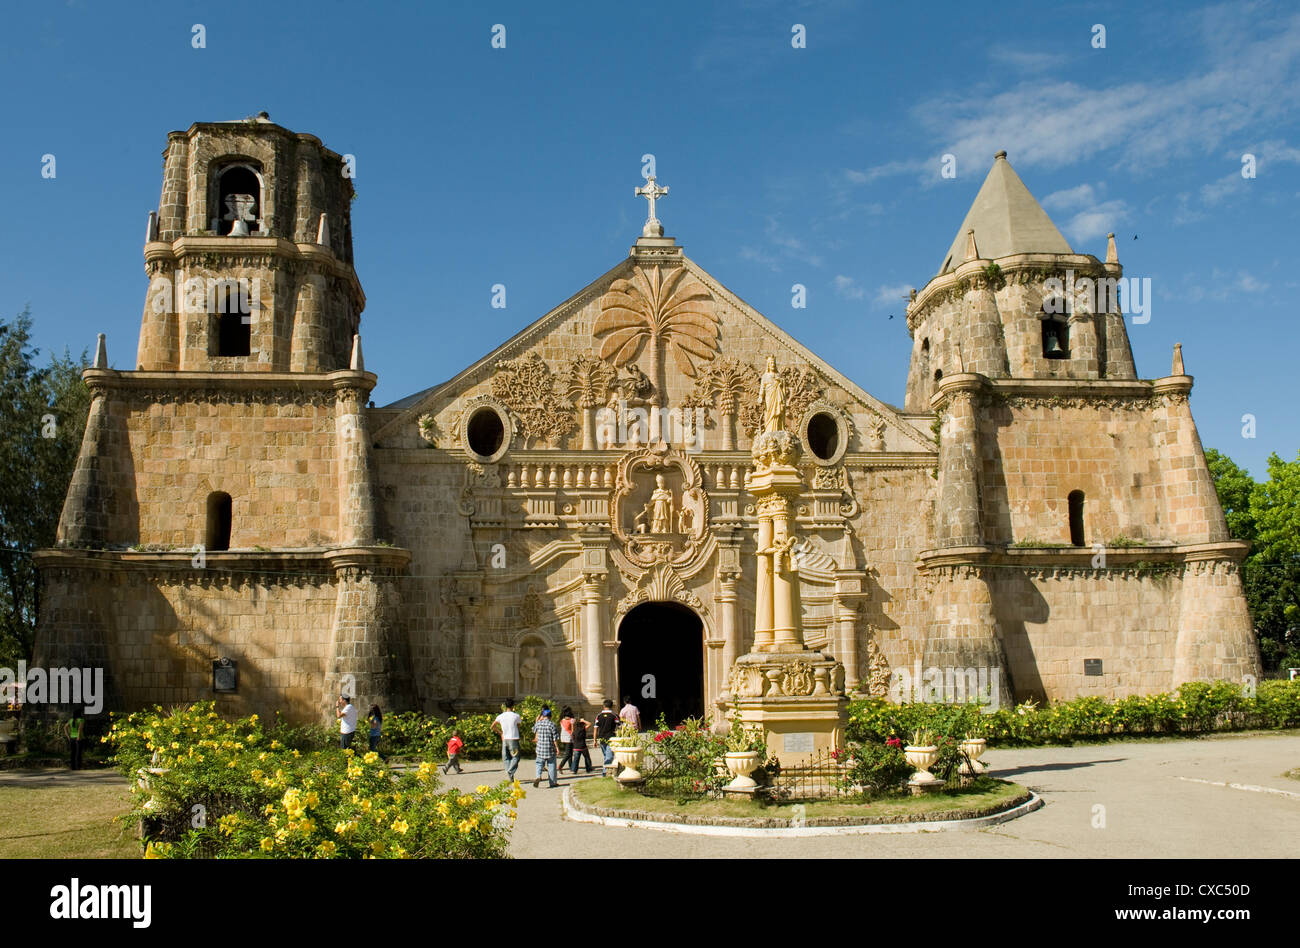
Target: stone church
(568,516)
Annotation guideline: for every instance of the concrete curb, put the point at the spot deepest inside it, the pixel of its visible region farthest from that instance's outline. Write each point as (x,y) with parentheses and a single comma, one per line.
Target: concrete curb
(574,811)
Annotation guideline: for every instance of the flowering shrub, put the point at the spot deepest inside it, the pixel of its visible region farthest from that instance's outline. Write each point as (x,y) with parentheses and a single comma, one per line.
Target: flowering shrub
(225,789)
(1196,707)
(879,769)
(685,760)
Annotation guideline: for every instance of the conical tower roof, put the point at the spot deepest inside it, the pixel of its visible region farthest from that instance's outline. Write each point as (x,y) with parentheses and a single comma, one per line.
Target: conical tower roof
(1006,219)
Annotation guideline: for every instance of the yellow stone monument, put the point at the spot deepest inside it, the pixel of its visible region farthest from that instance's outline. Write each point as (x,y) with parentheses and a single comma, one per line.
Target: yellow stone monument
(793,694)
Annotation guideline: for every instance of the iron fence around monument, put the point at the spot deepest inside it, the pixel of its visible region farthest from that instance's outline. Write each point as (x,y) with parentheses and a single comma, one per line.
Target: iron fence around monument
(819,777)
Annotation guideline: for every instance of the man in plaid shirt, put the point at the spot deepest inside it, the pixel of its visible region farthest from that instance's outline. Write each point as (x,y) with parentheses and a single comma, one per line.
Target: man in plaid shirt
(548,747)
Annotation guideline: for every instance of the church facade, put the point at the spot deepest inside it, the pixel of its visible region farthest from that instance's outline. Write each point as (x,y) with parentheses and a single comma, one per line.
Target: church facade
(569,515)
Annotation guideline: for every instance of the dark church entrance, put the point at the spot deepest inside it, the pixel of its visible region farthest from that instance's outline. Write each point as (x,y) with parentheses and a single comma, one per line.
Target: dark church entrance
(661,662)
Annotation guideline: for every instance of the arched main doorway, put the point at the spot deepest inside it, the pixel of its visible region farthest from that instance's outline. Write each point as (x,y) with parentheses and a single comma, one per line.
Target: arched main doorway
(661,662)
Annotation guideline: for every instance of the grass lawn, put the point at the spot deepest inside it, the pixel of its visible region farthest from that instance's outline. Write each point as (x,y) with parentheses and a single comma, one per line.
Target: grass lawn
(608,795)
(66,823)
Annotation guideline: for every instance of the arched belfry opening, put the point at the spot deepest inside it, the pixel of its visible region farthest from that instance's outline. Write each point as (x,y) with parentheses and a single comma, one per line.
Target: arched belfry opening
(661,662)
(217,534)
(238,208)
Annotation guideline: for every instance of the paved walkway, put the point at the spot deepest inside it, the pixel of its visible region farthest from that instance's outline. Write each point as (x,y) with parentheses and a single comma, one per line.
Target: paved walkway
(1159,799)
(1148,810)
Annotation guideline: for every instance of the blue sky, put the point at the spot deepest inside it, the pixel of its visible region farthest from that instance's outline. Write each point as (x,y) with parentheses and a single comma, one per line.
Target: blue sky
(818,166)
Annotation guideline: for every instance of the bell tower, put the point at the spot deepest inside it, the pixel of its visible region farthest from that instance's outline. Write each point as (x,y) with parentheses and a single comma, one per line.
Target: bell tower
(249,255)
(1012,300)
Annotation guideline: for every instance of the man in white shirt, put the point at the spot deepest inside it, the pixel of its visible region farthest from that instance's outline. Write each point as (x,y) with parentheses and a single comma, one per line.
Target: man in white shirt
(347,715)
(506,726)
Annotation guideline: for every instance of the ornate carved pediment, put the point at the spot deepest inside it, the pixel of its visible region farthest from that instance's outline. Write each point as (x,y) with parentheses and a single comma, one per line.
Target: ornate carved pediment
(662,584)
(659,510)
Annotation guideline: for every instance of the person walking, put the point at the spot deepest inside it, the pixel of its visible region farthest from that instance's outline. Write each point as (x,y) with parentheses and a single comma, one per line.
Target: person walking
(506,726)
(75,729)
(630,713)
(347,715)
(606,727)
(566,737)
(547,737)
(453,752)
(376,719)
(580,727)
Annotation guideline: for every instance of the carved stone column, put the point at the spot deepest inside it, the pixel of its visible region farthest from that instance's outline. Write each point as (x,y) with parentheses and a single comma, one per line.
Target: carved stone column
(593,626)
(728,579)
(846,624)
(763,586)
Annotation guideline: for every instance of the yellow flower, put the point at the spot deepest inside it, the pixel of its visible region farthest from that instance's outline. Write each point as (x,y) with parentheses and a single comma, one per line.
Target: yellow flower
(377,847)
(442,808)
(365,806)
(464,801)
(342,829)
(267,844)
(482,788)
(371,757)
(327,848)
(401,826)
(313,799)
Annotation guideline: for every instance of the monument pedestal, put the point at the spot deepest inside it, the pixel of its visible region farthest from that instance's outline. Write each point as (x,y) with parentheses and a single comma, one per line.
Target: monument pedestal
(796,699)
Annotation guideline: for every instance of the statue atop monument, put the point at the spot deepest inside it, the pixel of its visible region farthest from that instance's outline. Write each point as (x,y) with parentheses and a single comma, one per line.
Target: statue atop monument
(771,395)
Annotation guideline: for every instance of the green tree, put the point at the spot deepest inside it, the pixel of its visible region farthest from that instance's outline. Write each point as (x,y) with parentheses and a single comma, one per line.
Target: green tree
(42,418)
(1267,515)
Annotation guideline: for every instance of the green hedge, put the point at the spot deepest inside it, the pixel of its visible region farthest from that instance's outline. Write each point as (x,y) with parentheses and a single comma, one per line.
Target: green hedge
(1196,708)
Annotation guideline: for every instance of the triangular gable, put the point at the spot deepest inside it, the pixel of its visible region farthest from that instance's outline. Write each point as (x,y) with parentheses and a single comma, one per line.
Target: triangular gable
(414,406)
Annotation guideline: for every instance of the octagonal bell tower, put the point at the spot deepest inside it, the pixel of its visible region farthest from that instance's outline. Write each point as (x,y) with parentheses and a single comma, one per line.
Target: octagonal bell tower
(249,256)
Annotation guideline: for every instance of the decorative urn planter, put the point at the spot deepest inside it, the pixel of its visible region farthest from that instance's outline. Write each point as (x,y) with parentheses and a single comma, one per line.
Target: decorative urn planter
(740,764)
(629,754)
(921,758)
(973,747)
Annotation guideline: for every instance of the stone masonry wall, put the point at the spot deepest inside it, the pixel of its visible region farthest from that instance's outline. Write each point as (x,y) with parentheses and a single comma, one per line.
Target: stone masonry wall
(157,636)
(274,457)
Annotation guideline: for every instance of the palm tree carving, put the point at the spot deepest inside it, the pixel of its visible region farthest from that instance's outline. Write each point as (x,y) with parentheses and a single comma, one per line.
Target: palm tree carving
(588,382)
(670,309)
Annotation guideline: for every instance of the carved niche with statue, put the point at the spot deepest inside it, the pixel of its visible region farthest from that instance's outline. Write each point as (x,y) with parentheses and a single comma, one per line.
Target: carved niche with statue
(659,512)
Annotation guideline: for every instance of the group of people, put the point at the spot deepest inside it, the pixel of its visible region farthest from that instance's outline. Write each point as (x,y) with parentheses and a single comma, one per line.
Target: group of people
(571,734)
(346,712)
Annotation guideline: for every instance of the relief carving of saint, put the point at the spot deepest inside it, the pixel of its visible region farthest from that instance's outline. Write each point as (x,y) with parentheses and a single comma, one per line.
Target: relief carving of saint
(661,507)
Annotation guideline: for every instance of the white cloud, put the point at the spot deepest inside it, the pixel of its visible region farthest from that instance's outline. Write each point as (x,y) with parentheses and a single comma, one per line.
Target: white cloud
(1070,198)
(1247,78)
(1249,283)
(848,288)
(1096,221)
(1019,59)
(892,295)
